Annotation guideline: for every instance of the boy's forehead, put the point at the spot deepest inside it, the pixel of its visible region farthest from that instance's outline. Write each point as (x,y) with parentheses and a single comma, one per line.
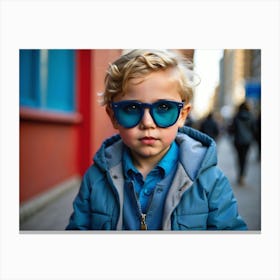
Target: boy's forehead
(168,75)
(154,86)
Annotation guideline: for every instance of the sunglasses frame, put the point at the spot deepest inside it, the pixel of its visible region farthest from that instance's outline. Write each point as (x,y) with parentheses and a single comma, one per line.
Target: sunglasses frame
(142,106)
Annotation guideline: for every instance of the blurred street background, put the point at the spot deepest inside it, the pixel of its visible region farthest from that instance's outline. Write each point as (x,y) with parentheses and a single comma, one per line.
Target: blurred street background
(62,125)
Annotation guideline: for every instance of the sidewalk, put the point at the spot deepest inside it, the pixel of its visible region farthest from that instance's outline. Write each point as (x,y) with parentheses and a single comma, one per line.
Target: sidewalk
(56,215)
(248,196)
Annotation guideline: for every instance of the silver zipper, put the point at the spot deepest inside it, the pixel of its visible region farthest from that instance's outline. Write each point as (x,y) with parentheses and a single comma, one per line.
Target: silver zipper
(143,222)
(142,215)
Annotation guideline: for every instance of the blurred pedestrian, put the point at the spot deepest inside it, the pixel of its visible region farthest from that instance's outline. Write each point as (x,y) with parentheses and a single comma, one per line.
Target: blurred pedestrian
(243,130)
(258,134)
(210,126)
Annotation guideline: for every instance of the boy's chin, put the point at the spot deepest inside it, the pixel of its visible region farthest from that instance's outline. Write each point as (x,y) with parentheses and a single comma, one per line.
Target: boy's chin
(150,152)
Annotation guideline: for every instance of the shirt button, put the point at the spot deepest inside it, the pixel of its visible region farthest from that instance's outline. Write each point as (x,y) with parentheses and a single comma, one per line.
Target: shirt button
(147,192)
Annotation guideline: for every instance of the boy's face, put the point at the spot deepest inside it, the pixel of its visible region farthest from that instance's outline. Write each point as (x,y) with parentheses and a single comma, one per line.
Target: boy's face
(146,139)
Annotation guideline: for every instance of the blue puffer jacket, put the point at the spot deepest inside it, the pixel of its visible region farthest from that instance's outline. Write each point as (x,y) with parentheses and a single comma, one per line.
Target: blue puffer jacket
(200,196)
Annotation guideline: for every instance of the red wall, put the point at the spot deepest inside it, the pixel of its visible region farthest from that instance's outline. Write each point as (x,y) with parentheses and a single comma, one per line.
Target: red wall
(102,127)
(83,83)
(54,147)
(96,125)
(47,155)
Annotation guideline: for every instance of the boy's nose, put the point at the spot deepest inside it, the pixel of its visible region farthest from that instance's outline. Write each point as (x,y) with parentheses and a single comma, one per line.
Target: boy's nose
(147,120)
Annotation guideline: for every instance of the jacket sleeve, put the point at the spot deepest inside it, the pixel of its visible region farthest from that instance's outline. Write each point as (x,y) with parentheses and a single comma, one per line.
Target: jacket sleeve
(80,218)
(223,211)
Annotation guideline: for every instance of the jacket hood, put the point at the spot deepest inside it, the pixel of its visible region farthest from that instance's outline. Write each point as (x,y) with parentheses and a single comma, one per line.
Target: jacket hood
(197,152)
(110,153)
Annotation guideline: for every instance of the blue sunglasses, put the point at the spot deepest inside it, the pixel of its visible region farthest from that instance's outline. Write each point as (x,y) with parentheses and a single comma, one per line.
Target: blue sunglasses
(165,113)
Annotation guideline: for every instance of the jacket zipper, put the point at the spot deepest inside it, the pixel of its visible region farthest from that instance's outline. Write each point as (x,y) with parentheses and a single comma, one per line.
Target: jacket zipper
(142,216)
(143,224)
(143,221)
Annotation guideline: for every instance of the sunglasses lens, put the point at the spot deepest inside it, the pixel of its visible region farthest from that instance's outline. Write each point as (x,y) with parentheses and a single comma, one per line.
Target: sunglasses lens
(128,114)
(165,113)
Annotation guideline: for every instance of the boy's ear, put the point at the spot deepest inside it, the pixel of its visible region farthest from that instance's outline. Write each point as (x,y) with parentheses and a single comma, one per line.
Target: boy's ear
(184,113)
(110,113)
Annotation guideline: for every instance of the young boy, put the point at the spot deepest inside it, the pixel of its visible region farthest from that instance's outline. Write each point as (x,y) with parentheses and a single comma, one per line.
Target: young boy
(156,174)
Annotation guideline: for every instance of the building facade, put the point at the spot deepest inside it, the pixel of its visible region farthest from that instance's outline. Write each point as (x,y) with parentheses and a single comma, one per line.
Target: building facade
(240,79)
(61,122)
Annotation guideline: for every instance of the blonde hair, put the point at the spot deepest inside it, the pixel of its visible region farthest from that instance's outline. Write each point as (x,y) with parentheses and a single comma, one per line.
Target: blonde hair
(139,63)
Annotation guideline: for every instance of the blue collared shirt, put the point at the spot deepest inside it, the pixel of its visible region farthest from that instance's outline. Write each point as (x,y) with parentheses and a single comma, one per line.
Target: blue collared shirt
(144,189)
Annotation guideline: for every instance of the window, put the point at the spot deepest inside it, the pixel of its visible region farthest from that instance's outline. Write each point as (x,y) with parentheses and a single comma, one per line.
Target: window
(47,80)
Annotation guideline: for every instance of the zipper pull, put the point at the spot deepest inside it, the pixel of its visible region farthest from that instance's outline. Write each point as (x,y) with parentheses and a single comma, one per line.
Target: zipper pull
(143,222)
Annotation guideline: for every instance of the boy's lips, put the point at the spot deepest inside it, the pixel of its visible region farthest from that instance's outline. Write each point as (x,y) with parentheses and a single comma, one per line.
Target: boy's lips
(148,140)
